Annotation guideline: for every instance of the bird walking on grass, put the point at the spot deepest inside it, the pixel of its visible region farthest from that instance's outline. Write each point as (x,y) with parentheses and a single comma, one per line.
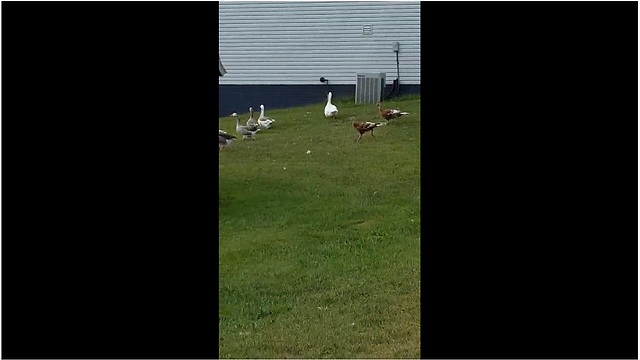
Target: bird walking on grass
(330,110)
(224,139)
(245,131)
(264,121)
(364,126)
(389,114)
(252,124)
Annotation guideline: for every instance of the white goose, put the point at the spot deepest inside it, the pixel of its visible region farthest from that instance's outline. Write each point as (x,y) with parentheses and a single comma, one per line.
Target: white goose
(251,123)
(264,121)
(243,130)
(330,110)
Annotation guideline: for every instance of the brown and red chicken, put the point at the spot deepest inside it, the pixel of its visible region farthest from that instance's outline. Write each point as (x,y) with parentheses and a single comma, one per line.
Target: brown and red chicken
(389,114)
(364,126)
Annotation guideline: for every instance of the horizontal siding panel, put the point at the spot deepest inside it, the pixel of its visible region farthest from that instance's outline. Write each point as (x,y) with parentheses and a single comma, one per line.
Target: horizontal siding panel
(336,77)
(378,34)
(316,63)
(253,56)
(359,12)
(297,36)
(304,78)
(331,73)
(314,69)
(260,6)
(333,68)
(343,30)
(309,4)
(347,77)
(304,4)
(381,51)
(320,62)
(267,53)
(328,71)
(266,43)
(298,21)
(253,81)
(377,31)
(327,45)
(379,18)
(307,62)
(355,31)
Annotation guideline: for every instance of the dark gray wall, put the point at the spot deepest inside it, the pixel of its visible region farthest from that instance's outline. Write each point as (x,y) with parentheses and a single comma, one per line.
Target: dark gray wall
(239,97)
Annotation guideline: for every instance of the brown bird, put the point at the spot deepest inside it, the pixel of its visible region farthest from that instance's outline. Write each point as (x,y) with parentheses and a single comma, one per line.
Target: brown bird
(224,139)
(363,127)
(390,113)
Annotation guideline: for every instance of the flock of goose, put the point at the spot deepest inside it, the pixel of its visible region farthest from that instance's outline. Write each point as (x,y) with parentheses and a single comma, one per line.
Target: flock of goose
(249,130)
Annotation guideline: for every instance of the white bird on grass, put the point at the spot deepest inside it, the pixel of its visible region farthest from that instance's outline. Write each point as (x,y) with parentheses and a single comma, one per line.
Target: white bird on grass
(264,121)
(330,110)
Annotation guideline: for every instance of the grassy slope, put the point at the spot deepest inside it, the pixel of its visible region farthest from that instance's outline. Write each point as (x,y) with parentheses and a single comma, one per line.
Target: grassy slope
(321,259)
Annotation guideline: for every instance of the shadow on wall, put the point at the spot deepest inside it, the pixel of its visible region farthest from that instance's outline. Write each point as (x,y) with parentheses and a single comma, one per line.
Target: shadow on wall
(239,98)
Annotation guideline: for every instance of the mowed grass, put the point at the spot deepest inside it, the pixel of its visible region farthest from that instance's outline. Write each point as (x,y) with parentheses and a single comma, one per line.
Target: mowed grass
(320,252)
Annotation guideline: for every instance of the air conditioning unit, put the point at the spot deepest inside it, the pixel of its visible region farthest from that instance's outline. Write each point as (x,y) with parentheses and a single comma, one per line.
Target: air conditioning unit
(370,87)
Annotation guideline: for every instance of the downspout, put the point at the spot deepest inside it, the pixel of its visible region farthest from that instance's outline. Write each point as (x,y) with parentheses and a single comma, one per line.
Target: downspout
(396,49)
(395,89)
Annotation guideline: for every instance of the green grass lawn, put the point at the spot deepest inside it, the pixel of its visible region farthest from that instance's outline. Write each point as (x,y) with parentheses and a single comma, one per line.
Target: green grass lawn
(320,252)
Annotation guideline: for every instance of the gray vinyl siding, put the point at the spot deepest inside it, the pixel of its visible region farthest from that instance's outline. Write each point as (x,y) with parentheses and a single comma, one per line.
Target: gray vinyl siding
(271,43)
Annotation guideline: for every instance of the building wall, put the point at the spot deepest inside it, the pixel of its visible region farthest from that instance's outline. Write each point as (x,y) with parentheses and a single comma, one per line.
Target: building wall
(290,45)
(238,98)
